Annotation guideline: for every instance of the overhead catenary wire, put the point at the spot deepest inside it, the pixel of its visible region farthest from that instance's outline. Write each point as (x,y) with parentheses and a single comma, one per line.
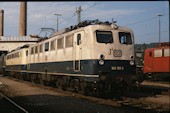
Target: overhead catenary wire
(75,14)
(150,34)
(141,21)
(144,20)
(91,6)
(125,25)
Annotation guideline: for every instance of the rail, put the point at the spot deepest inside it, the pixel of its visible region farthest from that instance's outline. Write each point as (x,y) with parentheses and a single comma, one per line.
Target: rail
(15,104)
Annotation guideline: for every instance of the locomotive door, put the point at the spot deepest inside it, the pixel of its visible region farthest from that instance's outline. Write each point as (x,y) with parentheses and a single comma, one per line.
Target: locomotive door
(150,59)
(28,59)
(77,51)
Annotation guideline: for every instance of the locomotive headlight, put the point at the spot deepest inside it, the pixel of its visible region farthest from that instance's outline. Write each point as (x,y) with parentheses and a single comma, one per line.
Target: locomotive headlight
(132,63)
(101,62)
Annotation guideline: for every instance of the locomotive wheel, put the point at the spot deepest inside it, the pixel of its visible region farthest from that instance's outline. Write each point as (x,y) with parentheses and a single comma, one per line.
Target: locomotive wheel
(60,83)
(20,76)
(81,87)
(91,89)
(41,81)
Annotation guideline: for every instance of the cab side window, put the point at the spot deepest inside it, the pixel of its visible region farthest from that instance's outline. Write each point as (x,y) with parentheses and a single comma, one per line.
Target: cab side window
(41,48)
(78,39)
(60,43)
(69,41)
(47,46)
(53,45)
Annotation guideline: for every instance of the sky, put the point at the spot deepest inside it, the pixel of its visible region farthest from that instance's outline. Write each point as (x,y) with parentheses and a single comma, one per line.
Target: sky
(140,16)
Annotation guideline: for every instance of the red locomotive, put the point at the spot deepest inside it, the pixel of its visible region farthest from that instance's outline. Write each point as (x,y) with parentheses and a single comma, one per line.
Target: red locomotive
(157,62)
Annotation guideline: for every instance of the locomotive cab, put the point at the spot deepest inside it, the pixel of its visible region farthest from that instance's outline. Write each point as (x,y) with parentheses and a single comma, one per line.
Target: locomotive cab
(116,56)
(106,52)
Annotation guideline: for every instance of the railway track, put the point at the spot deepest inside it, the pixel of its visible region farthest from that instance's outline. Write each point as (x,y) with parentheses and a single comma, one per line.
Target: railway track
(155,87)
(127,98)
(10,103)
(145,88)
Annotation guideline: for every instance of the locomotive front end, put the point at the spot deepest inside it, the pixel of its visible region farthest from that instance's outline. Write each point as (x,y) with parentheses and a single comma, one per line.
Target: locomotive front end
(114,50)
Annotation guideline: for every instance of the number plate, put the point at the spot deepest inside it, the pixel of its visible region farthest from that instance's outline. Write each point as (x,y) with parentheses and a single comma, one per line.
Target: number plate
(117,68)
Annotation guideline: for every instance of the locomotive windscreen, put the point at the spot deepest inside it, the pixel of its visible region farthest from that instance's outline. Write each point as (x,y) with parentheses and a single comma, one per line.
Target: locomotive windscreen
(125,38)
(104,36)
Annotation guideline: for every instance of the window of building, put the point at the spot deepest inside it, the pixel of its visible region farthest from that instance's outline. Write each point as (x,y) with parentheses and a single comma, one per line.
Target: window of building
(60,43)
(53,45)
(47,46)
(69,41)
(104,37)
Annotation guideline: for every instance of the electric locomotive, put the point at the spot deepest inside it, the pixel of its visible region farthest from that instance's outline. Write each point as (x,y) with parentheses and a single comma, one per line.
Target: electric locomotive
(88,57)
(16,62)
(157,62)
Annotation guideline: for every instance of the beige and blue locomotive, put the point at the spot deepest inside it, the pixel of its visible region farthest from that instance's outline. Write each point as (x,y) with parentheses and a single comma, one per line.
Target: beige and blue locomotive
(16,63)
(86,58)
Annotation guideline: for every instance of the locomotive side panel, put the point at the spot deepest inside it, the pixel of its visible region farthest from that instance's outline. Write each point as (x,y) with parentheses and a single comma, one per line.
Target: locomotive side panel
(156,60)
(69,56)
(161,60)
(157,63)
(148,60)
(16,61)
(166,59)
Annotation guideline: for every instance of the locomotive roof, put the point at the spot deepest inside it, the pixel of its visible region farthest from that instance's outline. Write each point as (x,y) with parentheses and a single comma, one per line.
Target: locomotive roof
(164,44)
(159,47)
(19,48)
(80,25)
(85,24)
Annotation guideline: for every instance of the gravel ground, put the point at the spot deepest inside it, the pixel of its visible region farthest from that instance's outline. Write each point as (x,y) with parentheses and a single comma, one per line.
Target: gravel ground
(37,99)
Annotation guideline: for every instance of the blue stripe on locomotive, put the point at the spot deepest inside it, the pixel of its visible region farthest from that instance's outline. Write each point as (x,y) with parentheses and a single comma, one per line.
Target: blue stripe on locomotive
(88,67)
(16,67)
